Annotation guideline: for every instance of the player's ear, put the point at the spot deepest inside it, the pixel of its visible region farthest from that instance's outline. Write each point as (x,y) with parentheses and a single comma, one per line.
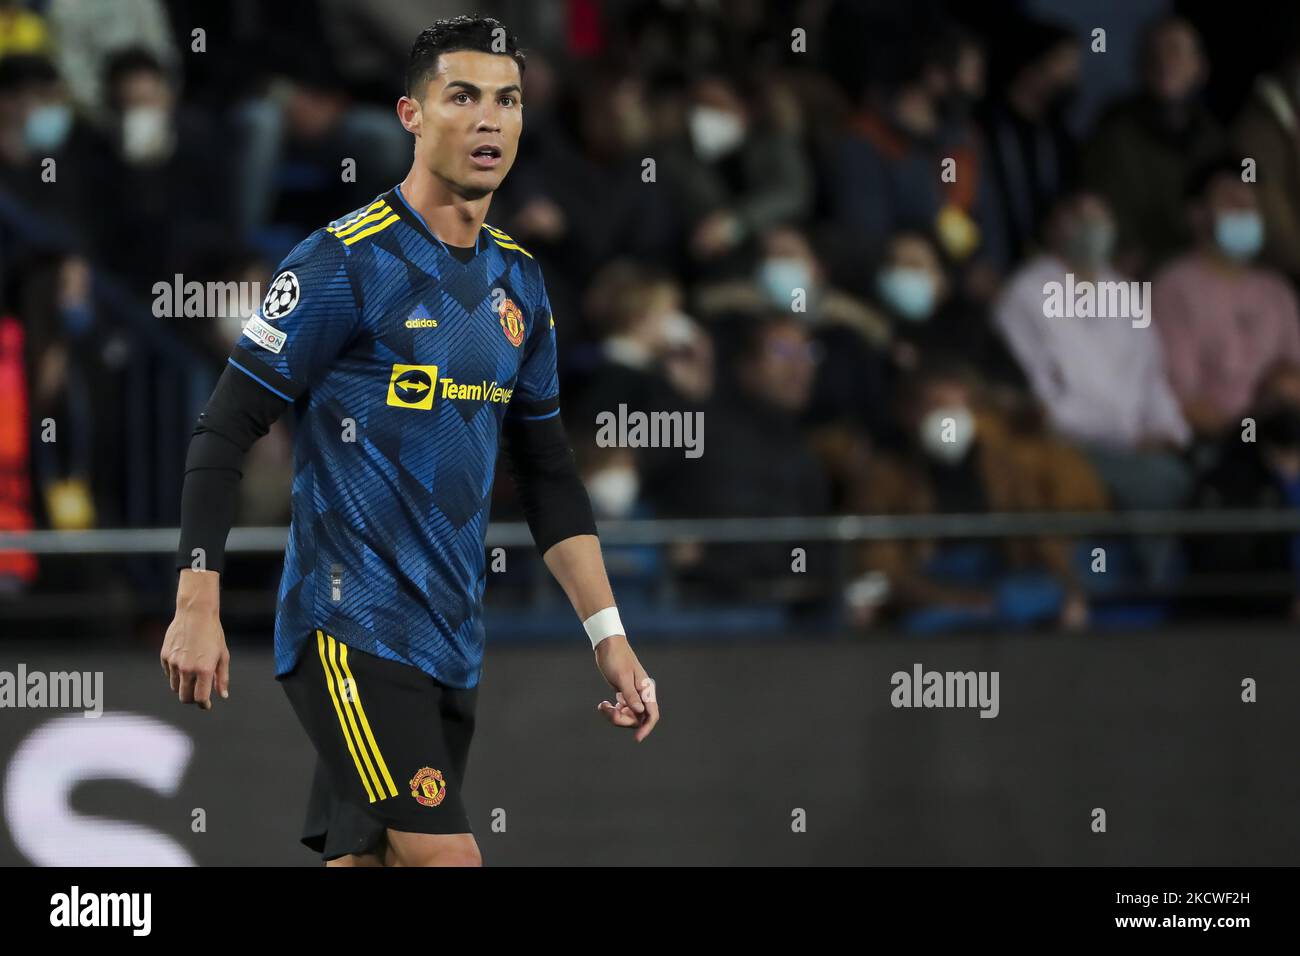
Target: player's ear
(409,114)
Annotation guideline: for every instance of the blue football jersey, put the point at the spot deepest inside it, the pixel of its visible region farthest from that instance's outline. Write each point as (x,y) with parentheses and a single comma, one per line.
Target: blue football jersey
(401,361)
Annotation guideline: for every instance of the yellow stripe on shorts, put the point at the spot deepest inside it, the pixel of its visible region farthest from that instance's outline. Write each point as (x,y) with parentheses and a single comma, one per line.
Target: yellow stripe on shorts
(325,650)
(365,723)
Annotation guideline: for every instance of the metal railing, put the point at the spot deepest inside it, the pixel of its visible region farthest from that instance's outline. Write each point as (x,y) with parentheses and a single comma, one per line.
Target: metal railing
(843,528)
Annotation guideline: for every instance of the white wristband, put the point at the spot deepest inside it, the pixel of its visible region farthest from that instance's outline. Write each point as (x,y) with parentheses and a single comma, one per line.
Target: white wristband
(603,624)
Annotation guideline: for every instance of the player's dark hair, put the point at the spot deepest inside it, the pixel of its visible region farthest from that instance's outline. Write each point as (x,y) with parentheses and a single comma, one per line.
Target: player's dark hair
(483,34)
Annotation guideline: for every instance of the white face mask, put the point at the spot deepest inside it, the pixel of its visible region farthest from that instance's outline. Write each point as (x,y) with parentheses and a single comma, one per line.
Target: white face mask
(677,329)
(146,133)
(614,491)
(715,132)
(946,433)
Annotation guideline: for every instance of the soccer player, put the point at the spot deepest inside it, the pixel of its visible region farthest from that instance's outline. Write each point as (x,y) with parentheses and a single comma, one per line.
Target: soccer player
(411,337)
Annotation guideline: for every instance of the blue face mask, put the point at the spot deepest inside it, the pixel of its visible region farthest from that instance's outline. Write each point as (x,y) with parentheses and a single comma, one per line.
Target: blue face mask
(780,278)
(909,292)
(1240,235)
(47,127)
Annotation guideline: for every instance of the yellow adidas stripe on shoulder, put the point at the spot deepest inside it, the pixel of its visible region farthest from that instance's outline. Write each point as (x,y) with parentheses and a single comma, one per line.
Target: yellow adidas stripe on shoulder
(360,225)
(344,226)
(371,230)
(504,241)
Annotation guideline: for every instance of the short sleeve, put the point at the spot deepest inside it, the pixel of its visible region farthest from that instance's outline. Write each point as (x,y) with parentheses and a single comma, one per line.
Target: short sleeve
(537,390)
(308,317)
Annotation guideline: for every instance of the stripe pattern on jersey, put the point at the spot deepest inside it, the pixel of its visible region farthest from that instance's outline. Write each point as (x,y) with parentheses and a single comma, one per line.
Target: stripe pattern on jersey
(374,218)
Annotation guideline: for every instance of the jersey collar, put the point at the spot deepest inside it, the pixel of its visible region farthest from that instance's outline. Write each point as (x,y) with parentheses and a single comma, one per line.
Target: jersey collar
(397,202)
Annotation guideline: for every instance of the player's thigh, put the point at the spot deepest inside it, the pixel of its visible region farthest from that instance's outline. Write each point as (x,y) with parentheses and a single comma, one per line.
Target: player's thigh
(432,849)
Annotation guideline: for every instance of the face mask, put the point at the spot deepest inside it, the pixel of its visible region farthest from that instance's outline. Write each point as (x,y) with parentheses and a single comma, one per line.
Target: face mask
(715,132)
(1092,243)
(613,491)
(779,278)
(1239,234)
(47,127)
(909,292)
(946,434)
(146,133)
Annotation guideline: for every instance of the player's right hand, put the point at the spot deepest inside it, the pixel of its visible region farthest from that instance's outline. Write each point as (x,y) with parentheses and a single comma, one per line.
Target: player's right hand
(194,655)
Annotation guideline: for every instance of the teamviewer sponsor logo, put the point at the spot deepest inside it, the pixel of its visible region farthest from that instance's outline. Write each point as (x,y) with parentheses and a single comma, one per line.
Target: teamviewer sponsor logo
(77,909)
(412,386)
(55,690)
(922,688)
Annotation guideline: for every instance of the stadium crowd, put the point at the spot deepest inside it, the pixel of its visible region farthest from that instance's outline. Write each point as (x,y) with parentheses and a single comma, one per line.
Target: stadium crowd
(829,227)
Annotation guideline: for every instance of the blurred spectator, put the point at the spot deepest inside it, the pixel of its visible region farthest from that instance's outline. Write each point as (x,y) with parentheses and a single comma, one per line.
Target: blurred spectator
(89,33)
(850,336)
(54,303)
(17,569)
(1263,472)
(163,181)
(969,224)
(736,164)
(885,172)
(38,123)
(790,276)
(1268,131)
(576,196)
(293,142)
(960,459)
(21,31)
(1101,381)
(930,319)
(757,463)
(1032,150)
(653,357)
(1146,146)
(637,314)
(1223,320)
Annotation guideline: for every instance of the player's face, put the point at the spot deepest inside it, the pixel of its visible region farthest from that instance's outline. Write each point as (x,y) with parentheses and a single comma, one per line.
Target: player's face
(470,119)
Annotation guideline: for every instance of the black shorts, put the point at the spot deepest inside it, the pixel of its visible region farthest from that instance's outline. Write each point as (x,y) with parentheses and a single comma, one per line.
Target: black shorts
(391,744)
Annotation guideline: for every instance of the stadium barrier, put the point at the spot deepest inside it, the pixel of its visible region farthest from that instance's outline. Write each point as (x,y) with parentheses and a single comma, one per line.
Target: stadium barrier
(842,528)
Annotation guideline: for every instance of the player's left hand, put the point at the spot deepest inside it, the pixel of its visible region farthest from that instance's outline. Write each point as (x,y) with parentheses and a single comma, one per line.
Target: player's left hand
(636,704)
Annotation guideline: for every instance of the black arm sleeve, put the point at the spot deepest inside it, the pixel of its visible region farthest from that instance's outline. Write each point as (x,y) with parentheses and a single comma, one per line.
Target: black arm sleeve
(239,412)
(554,501)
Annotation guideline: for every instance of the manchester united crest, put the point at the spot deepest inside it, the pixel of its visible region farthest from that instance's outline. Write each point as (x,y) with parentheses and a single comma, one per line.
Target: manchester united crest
(512,321)
(428,787)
